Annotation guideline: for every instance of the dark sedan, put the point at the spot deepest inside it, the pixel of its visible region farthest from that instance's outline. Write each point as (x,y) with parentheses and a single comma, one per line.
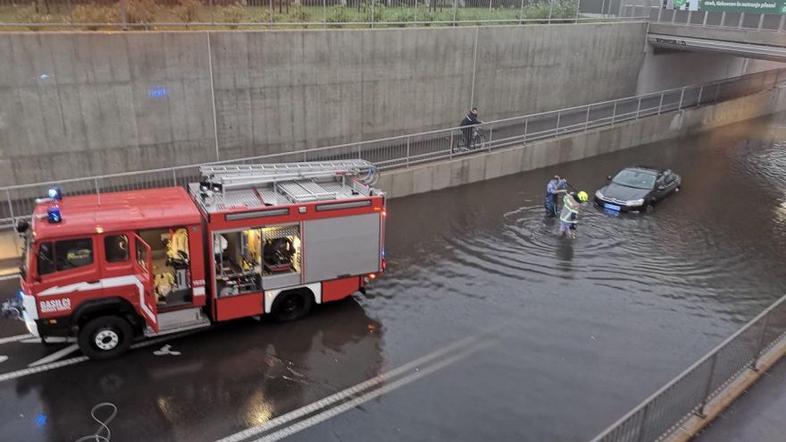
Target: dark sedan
(637,189)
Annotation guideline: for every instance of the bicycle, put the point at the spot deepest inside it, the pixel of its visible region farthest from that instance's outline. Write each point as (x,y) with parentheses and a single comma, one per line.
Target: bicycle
(477,141)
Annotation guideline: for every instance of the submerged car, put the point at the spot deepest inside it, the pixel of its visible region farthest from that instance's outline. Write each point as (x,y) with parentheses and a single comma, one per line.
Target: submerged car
(636,189)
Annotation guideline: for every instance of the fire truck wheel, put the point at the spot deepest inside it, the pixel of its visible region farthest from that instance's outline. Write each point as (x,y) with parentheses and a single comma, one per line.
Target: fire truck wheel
(292,305)
(105,337)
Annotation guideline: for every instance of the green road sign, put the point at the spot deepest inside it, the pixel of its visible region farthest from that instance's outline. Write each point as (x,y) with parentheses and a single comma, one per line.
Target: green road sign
(753,6)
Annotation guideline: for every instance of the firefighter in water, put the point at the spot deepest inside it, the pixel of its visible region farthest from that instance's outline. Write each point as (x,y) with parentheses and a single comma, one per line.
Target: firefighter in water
(569,217)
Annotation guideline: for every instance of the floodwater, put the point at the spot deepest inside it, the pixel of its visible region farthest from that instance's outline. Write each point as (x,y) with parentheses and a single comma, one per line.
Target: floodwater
(526,335)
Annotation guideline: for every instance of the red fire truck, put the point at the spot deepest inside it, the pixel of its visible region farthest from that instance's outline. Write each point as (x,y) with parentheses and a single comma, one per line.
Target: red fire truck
(247,240)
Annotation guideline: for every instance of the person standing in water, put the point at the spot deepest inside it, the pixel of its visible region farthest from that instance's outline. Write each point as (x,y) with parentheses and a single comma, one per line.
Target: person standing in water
(569,217)
(554,188)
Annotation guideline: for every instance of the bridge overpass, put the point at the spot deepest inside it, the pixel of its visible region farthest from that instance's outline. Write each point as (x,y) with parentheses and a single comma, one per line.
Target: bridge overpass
(759,36)
(760,44)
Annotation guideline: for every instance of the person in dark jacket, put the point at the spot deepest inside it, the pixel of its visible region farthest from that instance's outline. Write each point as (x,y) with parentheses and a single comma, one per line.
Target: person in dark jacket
(466,124)
(554,188)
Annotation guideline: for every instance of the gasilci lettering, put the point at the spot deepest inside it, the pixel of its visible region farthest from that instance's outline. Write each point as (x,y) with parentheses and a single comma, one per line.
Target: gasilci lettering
(55,305)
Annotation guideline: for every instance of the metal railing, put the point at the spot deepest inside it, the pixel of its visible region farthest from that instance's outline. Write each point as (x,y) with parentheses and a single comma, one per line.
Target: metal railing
(412,149)
(660,415)
(270,14)
(707,19)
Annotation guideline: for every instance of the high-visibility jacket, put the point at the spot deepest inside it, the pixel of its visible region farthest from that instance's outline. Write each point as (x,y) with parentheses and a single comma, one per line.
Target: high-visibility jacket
(570,210)
(178,242)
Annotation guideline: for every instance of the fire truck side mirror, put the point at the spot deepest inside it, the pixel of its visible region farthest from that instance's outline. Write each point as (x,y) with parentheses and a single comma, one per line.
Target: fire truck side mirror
(22,226)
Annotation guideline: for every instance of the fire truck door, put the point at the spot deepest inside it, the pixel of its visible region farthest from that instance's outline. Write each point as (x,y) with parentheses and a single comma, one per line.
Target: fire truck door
(143,267)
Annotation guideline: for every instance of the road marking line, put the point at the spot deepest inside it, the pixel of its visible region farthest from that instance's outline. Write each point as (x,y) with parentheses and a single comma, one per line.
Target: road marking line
(154,341)
(49,340)
(66,362)
(16,338)
(7,277)
(166,350)
(41,368)
(346,406)
(55,356)
(351,391)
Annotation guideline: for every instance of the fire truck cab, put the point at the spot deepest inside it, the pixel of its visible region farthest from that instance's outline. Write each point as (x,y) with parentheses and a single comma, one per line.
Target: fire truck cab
(248,240)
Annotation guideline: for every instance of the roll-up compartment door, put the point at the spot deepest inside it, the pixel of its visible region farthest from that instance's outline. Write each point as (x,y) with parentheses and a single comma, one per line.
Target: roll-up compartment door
(337,247)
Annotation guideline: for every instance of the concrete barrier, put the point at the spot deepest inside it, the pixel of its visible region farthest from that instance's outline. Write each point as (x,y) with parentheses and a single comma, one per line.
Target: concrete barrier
(79,104)
(10,250)
(469,169)
(729,394)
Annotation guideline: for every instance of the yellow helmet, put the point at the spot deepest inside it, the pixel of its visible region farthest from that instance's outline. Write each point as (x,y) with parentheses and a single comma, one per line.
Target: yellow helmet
(583,197)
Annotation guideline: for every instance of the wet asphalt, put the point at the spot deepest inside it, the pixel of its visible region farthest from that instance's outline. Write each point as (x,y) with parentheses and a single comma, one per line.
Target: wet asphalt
(514,332)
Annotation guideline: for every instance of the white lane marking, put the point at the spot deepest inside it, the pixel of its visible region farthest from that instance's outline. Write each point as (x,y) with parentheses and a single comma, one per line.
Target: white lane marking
(66,362)
(3,358)
(351,391)
(16,338)
(49,340)
(8,277)
(154,341)
(346,406)
(166,351)
(55,356)
(41,368)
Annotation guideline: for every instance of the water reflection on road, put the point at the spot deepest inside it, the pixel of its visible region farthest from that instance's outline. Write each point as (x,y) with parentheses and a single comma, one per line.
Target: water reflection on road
(583,329)
(598,323)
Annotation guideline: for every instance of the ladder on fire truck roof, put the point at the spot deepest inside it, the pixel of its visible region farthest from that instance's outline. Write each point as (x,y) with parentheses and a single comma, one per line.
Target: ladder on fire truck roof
(244,176)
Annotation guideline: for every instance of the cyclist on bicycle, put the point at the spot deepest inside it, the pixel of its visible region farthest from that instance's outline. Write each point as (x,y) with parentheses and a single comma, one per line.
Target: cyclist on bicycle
(467,125)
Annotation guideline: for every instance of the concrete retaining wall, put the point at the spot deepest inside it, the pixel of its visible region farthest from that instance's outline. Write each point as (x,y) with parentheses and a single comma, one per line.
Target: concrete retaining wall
(469,169)
(78,104)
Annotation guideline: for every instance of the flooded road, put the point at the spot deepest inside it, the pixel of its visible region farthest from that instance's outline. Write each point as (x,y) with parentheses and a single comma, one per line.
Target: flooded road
(486,326)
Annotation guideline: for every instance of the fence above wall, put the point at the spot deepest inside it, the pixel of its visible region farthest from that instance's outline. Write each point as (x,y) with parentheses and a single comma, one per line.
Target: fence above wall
(39,15)
(775,22)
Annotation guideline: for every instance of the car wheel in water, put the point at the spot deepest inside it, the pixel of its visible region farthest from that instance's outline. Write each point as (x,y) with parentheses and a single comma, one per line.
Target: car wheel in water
(105,337)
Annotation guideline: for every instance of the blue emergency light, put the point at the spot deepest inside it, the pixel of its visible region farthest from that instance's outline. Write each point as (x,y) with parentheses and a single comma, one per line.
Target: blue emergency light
(53,215)
(55,193)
